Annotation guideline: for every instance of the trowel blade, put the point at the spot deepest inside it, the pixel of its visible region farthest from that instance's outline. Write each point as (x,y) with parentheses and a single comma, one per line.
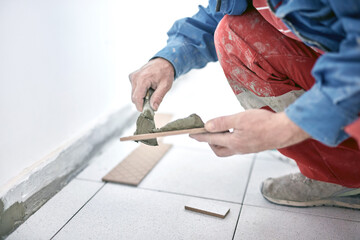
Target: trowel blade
(145,125)
(145,122)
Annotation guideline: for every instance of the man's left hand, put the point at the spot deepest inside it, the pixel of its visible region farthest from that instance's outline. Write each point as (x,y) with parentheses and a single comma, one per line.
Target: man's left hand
(252,131)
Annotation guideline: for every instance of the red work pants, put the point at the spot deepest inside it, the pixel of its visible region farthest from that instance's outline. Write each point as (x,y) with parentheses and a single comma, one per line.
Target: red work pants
(269,70)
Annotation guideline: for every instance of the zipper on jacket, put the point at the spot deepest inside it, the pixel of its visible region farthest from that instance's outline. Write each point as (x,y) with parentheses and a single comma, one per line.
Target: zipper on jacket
(218,5)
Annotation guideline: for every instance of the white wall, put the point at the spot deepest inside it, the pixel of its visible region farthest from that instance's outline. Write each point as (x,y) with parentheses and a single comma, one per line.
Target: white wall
(64,64)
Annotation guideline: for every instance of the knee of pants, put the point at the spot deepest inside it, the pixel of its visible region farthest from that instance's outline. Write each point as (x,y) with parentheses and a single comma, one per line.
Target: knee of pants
(226,37)
(234,54)
(261,63)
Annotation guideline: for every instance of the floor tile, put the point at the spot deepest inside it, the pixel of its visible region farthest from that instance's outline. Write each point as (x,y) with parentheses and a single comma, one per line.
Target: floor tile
(57,211)
(268,164)
(200,173)
(121,212)
(263,223)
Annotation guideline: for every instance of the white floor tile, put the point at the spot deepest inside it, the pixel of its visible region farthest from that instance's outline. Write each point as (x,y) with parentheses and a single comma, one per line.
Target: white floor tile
(200,173)
(121,212)
(263,223)
(57,211)
(266,165)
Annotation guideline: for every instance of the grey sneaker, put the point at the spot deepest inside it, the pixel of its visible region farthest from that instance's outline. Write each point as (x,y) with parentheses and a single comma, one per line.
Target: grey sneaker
(299,191)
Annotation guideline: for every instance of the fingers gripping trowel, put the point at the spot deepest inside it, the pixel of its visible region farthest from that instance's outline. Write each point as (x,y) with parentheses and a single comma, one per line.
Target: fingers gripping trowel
(145,122)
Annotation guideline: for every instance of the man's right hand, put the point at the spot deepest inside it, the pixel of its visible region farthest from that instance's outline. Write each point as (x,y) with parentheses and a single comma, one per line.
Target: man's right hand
(157,74)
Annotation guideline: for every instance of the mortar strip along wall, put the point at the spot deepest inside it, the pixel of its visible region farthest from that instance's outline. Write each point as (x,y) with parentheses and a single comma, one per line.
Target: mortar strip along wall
(26,193)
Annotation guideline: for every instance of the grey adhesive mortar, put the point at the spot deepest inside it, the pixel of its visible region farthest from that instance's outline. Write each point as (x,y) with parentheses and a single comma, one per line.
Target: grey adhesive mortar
(192,121)
(10,218)
(17,213)
(145,124)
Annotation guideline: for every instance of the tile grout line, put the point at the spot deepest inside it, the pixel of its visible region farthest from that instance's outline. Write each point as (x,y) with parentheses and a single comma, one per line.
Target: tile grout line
(242,202)
(188,195)
(309,214)
(161,191)
(78,210)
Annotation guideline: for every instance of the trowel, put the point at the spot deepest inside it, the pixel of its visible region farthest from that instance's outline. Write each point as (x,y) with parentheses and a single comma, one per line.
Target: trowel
(192,124)
(145,122)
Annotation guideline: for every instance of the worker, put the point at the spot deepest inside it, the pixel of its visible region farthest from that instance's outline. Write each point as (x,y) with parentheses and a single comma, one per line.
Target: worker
(295,68)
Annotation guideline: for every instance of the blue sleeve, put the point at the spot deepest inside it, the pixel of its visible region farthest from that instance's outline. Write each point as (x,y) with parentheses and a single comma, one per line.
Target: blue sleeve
(334,101)
(191,40)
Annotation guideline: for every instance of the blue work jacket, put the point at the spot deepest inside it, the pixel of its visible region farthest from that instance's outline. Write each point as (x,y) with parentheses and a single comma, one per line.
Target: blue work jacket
(330,25)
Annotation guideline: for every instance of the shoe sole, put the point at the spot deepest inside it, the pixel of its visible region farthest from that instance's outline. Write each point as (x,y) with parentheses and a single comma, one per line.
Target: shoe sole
(316,203)
(343,202)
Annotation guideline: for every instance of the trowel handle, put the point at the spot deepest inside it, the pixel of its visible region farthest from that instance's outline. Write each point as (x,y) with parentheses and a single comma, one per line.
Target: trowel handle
(148,95)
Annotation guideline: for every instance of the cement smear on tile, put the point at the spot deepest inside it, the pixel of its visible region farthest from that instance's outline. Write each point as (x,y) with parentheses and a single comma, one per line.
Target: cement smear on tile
(145,125)
(192,121)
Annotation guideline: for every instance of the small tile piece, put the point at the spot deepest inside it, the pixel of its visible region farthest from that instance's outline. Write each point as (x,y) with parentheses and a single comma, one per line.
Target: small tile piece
(133,169)
(146,136)
(205,207)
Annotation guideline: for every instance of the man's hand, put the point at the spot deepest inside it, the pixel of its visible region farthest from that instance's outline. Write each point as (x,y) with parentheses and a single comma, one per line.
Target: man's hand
(157,74)
(253,131)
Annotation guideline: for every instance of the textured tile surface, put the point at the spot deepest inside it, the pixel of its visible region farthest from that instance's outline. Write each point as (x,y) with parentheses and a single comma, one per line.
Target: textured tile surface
(200,173)
(267,164)
(121,212)
(137,164)
(263,223)
(57,211)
